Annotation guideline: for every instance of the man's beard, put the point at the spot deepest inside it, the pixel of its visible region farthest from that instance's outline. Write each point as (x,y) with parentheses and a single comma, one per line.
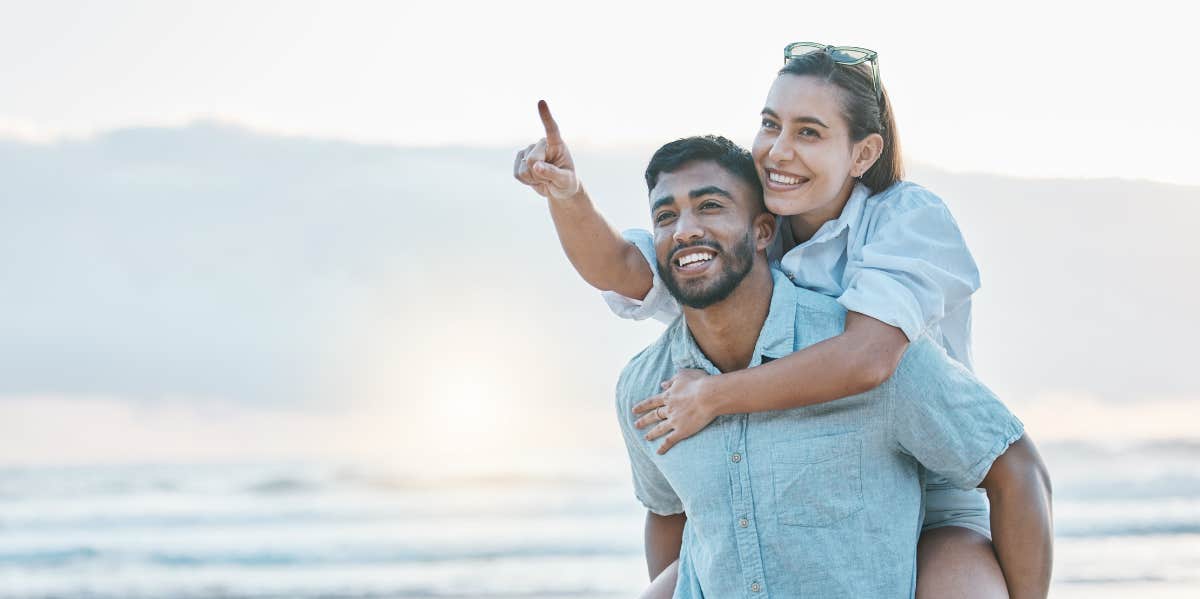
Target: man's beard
(736,266)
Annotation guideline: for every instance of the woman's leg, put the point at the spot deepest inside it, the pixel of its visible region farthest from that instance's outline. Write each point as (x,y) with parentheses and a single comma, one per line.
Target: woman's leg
(663,587)
(955,562)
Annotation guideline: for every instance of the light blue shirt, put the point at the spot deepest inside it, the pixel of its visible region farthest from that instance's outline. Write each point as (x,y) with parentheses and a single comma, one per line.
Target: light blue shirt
(822,501)
(896,256)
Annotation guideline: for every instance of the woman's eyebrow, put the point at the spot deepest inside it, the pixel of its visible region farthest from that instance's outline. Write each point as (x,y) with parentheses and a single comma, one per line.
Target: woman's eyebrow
(800,119)
(811,120)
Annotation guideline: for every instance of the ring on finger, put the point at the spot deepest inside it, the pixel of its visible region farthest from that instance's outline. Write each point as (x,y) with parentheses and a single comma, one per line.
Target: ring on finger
(659,412)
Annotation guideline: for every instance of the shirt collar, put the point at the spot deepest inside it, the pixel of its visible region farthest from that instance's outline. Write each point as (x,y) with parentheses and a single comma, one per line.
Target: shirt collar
(776,339)
(851,214)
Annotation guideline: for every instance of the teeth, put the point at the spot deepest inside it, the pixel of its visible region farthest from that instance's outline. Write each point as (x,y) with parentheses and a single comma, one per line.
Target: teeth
(784,179)
(697,257)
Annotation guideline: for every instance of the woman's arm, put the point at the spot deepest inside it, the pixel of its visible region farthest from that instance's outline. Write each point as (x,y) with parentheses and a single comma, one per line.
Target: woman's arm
(860,359)
(596,250)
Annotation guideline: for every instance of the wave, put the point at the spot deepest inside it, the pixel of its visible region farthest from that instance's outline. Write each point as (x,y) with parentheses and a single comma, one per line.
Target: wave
(407,592)
(76,556)
(1155,529)
(115,481)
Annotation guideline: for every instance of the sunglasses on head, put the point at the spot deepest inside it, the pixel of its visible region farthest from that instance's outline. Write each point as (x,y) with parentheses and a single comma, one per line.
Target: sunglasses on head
(847,55)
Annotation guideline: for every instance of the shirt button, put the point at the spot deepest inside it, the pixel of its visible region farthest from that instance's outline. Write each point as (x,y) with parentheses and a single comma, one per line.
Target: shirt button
(737,457)
(743,523)
(755,587)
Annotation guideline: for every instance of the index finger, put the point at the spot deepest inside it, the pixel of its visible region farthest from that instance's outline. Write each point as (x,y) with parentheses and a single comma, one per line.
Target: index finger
(552,135)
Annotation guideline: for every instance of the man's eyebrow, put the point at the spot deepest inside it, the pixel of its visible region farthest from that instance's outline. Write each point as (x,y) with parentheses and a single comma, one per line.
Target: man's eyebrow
(709,190)
(660,202)
(800,119)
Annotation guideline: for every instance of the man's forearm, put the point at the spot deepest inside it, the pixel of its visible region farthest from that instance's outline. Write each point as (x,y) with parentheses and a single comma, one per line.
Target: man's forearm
(1022,524)
(664,537)
(597,251)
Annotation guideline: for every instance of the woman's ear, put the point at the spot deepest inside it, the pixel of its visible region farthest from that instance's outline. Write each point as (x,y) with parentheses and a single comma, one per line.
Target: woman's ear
(764,230)
(866,152)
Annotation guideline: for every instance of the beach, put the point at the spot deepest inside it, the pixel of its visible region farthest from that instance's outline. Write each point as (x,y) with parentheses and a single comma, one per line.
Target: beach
(1127,524)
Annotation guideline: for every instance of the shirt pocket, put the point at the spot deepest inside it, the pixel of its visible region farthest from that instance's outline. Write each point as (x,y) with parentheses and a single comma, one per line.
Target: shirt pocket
(818,481)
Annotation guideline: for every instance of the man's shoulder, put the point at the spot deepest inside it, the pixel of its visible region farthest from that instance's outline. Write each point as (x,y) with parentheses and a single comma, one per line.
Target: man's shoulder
(645,371)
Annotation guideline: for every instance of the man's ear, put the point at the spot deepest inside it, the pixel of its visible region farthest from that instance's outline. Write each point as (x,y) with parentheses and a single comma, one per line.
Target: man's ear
(764,230)
(866,153)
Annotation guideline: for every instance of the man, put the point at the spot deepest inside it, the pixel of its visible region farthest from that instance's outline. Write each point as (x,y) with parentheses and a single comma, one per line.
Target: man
(822,501)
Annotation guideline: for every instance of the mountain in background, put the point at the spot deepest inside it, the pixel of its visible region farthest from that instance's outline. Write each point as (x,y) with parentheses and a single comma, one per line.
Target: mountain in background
(215,264)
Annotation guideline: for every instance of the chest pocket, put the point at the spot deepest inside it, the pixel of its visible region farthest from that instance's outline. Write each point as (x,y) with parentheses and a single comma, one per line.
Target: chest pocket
(818,482)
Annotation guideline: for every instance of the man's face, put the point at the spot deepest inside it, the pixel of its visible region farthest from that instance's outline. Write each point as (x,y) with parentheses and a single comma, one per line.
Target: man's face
(704,232)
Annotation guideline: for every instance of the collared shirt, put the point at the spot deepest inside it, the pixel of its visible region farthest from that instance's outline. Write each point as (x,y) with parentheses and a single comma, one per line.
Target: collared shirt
(896,256)
(822,501)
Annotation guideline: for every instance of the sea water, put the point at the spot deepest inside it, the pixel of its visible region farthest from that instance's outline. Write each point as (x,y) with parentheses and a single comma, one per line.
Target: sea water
(1127,524)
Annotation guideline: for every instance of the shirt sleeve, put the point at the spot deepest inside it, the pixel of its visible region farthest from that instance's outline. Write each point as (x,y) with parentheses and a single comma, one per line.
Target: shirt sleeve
(946,419)
(649,485)
(658,303)
(914,266)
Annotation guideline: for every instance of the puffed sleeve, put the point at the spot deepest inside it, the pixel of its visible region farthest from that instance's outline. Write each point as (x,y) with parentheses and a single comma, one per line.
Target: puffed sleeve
(658,303)
(912,267)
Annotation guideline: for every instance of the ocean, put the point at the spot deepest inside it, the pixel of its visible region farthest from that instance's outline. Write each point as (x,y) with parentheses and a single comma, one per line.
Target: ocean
(1127,525)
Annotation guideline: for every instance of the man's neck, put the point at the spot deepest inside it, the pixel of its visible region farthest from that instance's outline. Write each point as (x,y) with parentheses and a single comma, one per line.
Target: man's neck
(727,331)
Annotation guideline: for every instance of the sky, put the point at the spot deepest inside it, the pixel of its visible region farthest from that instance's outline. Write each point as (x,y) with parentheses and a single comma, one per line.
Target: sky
(215,293)
(1043,89)
(208,245)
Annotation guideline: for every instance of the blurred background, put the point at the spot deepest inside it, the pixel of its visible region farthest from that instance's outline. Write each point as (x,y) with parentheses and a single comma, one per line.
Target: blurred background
(279,323)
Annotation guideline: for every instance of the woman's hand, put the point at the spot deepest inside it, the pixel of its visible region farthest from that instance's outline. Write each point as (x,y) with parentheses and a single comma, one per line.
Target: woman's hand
(681,410)
(546,166)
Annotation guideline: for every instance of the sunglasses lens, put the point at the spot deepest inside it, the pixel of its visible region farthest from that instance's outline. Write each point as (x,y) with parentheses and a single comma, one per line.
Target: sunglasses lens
(848,55)
(801,50)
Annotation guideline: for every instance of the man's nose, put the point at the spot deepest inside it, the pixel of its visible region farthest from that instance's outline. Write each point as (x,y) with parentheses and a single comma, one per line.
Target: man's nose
(687,228)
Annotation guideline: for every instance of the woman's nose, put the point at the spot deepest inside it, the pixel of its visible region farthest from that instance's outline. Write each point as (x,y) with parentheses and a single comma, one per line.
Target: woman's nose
(781,150)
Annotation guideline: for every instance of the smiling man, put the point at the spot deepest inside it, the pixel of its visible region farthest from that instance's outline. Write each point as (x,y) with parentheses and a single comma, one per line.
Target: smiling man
(822,501)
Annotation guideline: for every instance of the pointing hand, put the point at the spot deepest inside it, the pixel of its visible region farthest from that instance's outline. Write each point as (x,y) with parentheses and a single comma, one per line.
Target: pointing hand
(546,166)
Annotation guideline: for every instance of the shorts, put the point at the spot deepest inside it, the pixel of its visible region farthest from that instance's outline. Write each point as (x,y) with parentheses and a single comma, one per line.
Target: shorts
(947,505)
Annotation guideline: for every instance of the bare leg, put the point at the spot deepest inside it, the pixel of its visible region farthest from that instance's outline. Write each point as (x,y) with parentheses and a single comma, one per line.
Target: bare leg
(663,587)
(955,562)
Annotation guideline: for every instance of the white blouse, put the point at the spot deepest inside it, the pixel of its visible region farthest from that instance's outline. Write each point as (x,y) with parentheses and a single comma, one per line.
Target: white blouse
(896,256)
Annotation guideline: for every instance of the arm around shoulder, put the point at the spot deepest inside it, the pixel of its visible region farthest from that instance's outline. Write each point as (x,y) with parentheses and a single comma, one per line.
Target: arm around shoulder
(861,358)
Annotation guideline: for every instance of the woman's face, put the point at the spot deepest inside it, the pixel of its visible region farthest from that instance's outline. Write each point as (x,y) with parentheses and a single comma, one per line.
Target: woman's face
(803,151)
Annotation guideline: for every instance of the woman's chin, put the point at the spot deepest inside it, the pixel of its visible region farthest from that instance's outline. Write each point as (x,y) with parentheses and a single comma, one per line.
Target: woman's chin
(782,205)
